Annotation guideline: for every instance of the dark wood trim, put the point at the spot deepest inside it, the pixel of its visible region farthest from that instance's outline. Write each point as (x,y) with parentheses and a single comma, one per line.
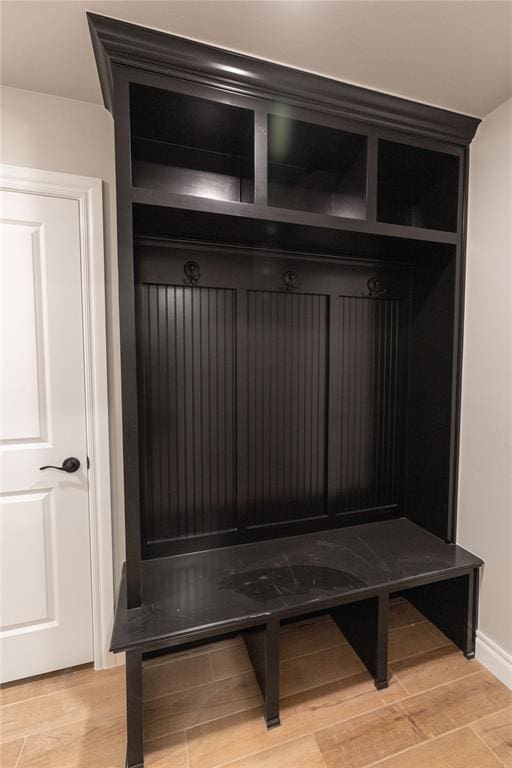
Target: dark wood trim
(170,548)
(472,620)
(371,180)
(260,157)
(242,468)
(127,341)
(452,606)
(332,416)
(131,45)
(262,644)
(171,200)
(134,711)
(197,247)
(371,645)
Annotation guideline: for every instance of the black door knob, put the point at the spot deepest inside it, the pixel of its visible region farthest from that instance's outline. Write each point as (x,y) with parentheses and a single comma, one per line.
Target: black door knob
(71,464)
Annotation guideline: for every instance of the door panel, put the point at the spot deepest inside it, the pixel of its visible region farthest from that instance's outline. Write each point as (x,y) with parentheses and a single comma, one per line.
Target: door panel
(27,521)
(22,340)
(46,616)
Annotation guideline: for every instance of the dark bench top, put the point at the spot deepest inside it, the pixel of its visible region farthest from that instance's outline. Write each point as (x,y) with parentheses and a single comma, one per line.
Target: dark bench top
(199,595)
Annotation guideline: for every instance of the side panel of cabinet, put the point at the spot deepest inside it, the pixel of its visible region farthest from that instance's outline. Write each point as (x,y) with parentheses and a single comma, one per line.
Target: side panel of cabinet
(128,331)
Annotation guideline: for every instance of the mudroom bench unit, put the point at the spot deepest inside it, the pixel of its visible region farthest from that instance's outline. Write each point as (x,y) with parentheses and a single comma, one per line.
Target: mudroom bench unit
(291,260)
(349,573)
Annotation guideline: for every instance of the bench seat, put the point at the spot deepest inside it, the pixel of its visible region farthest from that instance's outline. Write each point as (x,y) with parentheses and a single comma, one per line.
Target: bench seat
(250,588)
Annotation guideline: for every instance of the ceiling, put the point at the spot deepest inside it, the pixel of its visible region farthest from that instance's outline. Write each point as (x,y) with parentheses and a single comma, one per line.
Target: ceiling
(456,55)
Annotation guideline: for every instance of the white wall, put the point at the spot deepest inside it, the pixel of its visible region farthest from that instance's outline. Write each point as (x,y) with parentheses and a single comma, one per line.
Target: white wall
(485,491)
(52,133)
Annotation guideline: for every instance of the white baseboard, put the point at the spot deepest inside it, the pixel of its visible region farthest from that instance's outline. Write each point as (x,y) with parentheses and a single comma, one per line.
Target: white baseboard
(494,658)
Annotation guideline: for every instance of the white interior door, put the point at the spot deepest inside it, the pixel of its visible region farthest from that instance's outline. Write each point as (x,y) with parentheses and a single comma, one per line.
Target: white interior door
(45,611)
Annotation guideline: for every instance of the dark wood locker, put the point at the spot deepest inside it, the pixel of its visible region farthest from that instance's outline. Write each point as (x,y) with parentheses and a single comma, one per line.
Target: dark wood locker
(291,258)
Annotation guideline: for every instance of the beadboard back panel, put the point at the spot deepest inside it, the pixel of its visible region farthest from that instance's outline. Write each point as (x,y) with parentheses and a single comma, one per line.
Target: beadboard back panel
(287,351)
(187,345)
(367,393)
(271,394)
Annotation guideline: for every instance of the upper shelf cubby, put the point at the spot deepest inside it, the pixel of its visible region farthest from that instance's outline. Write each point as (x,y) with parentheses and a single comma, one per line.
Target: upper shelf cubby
(316,168)
(417,187)
(188,145)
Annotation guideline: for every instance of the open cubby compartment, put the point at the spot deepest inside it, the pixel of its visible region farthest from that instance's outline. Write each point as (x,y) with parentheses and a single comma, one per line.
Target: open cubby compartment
(417,187)
(316,168)
(191,146)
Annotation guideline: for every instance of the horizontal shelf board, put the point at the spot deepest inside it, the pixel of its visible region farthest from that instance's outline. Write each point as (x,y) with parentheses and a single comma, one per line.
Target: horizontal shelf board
(222,589)
(143,196)
(416,233)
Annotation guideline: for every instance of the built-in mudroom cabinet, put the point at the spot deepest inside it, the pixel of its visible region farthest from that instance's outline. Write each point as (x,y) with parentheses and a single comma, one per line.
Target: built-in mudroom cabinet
(291,282)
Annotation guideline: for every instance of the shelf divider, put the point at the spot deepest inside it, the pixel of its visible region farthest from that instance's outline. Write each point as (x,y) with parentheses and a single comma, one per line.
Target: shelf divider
(260,157)
(372,161)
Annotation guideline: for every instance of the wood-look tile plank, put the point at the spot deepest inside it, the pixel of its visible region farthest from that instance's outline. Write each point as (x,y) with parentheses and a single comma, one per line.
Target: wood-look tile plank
(304,672)
(230,661)
(403,614)
(419,673)
(367,739)
(496,731)
(461,749)
(304,637)
(184,709)
(300,753)
(10,693)
(456,704)
(85,743)
(9,752)
(245,734)
(329,720)
(94,701)
(308,636)
(415,639)
(413,720)
(177,675)
(102,745)
(166,752)
(174,655)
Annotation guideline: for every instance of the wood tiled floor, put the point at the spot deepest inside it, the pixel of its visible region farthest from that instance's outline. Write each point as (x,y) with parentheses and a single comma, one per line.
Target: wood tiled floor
(203,708)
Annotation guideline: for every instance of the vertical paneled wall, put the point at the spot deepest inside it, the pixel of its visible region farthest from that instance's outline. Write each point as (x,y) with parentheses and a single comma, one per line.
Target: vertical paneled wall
(286,405)
(187,344)
(264,407)
(367,393)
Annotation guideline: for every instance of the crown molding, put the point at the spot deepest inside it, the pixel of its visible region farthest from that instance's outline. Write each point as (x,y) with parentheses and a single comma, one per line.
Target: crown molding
(121,43)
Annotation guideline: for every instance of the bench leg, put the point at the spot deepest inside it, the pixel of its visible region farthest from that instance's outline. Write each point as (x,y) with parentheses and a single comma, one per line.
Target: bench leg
(451,605)
(262,645)
(365,625)
(134,711)
(472,614)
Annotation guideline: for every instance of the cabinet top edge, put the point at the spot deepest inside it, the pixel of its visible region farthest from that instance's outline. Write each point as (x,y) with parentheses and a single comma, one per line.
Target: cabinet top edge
(118,42)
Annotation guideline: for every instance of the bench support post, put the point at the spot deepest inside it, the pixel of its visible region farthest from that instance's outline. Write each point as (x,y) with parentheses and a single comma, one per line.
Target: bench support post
(452,605)
(262,645)
(134,711)
(365,625)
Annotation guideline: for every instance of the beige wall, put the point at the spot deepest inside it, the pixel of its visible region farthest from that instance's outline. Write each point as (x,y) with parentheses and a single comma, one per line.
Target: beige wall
(485,492)
(56,134)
